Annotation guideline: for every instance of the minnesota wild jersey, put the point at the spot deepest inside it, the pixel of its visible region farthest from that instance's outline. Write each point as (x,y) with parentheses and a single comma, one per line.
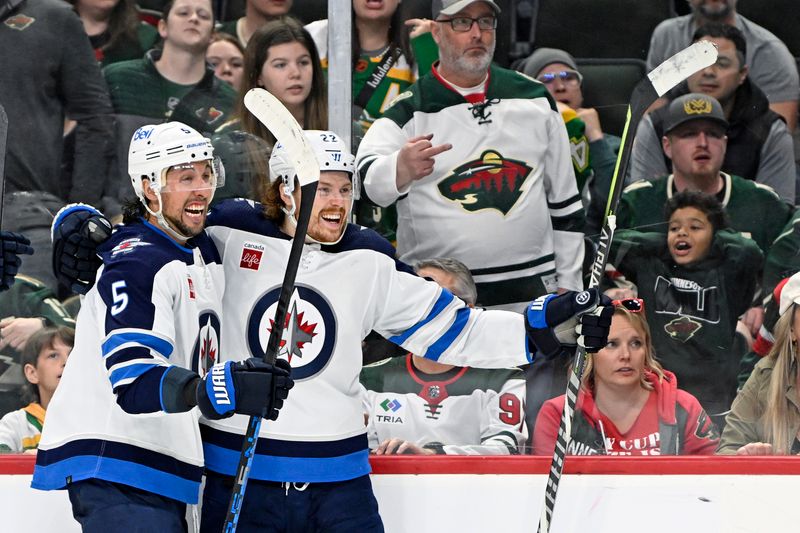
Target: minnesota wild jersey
(692,309)
(463,411)
(503,200)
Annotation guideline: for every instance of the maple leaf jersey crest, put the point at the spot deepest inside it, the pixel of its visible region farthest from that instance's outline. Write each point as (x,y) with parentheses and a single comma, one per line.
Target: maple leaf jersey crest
(490,182)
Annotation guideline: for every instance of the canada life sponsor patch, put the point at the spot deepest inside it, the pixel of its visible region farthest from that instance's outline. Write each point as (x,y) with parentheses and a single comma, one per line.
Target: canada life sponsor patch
(128,245)
(251,255)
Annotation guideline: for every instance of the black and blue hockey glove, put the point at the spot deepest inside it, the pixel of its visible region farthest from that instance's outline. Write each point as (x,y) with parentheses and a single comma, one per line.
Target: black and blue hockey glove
(593,327)
(77,231)
(550,321)
(12,245)
(251,387)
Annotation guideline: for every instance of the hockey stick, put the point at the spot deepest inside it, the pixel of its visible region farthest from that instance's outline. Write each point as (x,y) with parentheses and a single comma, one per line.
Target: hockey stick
(3,139)
(270,112)
(660,80)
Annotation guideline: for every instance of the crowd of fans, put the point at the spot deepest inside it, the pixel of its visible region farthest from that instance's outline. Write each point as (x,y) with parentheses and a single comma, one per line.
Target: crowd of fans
(708,214)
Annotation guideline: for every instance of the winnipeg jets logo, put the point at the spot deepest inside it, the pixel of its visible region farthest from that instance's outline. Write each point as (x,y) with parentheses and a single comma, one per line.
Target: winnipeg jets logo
(491,182)
(309,335)
(206,347)
(296,333)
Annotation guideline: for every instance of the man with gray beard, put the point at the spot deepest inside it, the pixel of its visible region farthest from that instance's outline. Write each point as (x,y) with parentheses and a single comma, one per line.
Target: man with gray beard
(477,159)
(772,66)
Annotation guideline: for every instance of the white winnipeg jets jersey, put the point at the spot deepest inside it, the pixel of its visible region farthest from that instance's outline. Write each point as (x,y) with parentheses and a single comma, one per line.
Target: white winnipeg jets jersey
(342,293)
(156,306)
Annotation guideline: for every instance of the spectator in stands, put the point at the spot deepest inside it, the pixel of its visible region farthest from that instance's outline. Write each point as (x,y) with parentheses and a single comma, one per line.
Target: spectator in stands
(114,29)
(759,144)
(765,419)
(593,152)
(698,279)
(43,363)
(772,66)
(500,163)
(695,141)
(49,73)
(281,58)
(174,83)
(256,14)
(443,409)
(628,403)
(390,60)
(765,338)
(26,308)
(226,55)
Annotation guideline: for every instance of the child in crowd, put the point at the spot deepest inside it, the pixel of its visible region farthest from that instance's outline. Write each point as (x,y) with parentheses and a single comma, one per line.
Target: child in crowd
(43,361)
(697,282)
(628,404)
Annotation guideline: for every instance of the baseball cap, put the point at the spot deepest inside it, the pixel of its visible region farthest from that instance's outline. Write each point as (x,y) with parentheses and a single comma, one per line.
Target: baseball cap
(790,293)
(451,7)
(546,56)
(694,106)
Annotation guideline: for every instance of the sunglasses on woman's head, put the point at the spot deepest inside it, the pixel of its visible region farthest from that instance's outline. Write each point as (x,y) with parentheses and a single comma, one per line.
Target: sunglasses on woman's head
(634,305)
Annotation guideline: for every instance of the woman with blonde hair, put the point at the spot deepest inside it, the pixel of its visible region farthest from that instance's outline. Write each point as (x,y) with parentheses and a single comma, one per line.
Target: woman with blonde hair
(628,404)
(765,416)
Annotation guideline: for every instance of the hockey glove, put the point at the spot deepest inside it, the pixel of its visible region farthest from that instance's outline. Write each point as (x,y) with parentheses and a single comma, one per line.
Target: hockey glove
(12,245)
(251,387)
(593,328)
(77,231)
(545,314)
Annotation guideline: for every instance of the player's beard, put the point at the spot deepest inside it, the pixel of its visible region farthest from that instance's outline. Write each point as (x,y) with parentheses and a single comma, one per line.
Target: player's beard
(182,228)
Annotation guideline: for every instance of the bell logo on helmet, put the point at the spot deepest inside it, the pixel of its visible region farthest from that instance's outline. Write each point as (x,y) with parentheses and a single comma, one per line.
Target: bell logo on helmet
(142,133)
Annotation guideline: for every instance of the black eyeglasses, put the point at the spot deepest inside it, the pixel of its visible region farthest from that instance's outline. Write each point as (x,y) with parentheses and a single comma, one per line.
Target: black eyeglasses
(464,24)
(634,305)
(568,77)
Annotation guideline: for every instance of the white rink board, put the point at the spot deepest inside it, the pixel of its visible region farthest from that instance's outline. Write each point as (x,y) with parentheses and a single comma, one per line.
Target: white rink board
(444,503)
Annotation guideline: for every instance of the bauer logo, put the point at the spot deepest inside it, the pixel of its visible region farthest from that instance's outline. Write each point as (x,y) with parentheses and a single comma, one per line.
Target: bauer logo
(251,256)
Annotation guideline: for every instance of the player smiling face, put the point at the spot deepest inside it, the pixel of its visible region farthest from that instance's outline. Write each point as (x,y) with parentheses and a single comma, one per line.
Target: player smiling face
(689,235)
(331,209)
(185,196)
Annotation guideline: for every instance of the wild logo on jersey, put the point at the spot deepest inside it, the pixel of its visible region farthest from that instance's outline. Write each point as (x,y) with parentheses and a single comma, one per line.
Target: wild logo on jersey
(206,348)
(309,335)
(490,182)
(692,304)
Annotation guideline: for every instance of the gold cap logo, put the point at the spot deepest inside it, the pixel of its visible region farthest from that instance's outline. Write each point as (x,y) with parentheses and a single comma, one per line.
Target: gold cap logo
(698,106)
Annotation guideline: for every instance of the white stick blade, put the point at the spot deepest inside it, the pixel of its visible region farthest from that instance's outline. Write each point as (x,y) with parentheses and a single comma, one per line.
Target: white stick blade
(274,115)
(682,65)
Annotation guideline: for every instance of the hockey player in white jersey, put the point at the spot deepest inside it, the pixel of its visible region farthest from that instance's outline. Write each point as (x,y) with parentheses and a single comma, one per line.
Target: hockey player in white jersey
(121,434)
(311,467)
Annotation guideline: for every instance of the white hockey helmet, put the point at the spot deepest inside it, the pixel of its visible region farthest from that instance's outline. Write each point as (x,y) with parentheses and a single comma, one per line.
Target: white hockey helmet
(156,148)
(330,151)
